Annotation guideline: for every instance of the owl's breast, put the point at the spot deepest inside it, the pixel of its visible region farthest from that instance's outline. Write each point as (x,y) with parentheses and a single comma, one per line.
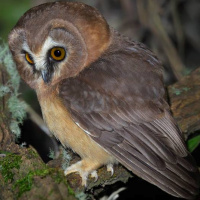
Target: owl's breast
(61,124)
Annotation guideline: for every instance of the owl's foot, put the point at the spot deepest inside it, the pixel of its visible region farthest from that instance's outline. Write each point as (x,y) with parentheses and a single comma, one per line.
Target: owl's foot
(110,169)
(84,168)
(94,175)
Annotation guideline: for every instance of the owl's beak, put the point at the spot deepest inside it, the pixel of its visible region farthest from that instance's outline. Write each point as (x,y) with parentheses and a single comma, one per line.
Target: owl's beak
(46,76)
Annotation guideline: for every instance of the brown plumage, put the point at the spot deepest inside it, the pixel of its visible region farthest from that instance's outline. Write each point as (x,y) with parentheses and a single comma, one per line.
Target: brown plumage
(102,95)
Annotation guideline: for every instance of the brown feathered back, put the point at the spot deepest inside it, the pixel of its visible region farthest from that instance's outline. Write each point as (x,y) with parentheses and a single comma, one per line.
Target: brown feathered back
(120,101)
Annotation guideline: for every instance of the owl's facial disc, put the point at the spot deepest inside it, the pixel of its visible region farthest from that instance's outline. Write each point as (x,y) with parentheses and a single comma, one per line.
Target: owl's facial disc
(47,60)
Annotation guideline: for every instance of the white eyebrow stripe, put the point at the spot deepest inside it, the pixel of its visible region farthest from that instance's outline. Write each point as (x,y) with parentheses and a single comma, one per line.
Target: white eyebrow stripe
(26,48)
(40,57)
(48,44)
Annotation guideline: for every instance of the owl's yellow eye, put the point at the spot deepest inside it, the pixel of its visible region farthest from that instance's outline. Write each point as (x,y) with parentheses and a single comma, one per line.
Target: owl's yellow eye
(57,53)
(29,58)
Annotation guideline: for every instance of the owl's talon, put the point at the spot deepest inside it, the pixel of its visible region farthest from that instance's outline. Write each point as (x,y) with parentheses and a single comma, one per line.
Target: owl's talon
(73,168)
(84,178)
(94,175)
(76,168)
(110,168)
(84,168)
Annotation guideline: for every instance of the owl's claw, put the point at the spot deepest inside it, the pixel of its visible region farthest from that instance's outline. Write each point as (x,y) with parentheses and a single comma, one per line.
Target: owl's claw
(73,168)
(76,168)
(110,168)
(84,168)
(94,175)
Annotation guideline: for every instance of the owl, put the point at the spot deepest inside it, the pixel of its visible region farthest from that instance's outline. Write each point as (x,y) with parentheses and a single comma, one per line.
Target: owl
(102,95)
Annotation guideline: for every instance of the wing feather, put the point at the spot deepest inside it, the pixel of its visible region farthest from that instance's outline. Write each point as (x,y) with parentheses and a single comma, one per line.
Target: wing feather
(136,148)
(167,173)
(119,101)
(168,184)
(152,141)
(103,123)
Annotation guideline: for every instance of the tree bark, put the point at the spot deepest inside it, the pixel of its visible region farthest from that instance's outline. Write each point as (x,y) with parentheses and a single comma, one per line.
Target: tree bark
(184,97)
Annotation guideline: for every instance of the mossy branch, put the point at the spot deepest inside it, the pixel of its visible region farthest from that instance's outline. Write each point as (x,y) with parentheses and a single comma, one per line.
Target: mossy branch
(184,98)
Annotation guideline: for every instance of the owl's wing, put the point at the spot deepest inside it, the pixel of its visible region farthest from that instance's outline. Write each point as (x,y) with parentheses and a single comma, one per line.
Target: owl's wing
(119,102)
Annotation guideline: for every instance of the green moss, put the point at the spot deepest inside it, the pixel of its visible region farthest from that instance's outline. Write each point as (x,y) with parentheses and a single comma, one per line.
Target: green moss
(25,184)
(70,190)
(179,91)
(176,91)
(7,164)
(186,89)
(32,153)
(58,178)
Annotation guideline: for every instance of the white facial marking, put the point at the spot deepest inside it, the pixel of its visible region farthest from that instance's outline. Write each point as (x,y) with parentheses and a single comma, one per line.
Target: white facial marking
(41,57)
(26,48)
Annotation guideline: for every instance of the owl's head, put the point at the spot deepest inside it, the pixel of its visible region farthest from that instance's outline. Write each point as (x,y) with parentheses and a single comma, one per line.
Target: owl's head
(57,40)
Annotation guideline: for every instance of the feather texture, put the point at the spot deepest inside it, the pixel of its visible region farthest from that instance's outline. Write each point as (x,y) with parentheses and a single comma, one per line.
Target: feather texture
(120,100)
